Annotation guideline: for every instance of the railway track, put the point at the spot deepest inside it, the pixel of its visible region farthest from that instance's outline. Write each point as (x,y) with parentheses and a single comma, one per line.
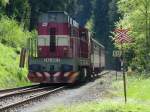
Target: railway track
(12,101)
(3,91)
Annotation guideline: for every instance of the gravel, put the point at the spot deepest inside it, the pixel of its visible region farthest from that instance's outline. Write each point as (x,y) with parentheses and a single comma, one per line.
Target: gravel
(16,98)
(93,91)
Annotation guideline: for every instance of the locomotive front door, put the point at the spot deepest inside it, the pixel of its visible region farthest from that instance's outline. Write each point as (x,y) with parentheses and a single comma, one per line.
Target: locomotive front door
(52,42)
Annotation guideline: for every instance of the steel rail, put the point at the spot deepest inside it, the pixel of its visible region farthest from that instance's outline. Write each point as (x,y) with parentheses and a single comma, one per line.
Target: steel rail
(29,100)
(21,92)
(19,88)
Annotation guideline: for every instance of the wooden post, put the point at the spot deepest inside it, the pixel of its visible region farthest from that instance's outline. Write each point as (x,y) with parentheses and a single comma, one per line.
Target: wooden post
(122,37)
(116,69)
(124,75)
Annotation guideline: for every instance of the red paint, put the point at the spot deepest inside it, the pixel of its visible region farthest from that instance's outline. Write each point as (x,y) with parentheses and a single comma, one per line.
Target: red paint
(47,77)
(61,28)
(83,49)
(84,39)
(74,43)
(78,47)
(35,77)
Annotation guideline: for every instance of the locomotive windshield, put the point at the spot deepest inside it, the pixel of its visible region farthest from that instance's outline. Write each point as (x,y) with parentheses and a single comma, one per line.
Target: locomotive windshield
(43,18)
(54,17)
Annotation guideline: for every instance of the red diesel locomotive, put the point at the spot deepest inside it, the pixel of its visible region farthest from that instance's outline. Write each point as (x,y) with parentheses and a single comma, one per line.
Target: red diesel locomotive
(63,52)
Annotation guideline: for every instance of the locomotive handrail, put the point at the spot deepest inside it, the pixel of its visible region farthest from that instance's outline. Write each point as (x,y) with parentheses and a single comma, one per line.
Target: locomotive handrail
(32,47)
(22,57)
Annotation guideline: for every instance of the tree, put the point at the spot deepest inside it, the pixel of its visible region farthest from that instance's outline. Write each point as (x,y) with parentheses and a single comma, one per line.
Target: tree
(105,15)
(84,11)
(19,10)
(113,16)
(101,24)
(3,4)
(136,16)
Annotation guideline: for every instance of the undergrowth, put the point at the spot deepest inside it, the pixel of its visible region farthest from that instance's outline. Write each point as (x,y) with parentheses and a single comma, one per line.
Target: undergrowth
(10,73)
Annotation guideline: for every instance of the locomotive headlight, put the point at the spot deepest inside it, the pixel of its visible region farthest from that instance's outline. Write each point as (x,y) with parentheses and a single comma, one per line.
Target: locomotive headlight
(66,68)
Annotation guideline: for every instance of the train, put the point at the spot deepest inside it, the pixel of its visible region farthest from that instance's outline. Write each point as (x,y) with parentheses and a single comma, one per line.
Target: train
(64,51)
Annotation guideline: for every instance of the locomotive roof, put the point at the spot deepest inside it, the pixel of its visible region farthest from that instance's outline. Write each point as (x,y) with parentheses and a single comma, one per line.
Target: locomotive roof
(98,43)
(64,12)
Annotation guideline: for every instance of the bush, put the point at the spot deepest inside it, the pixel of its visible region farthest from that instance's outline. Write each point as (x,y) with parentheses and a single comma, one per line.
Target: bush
(10,73)
(12,38)
(12,34)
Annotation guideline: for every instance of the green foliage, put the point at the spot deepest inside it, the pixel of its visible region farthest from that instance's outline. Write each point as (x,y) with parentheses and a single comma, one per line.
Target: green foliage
(104,106)
(136,17)
(19,10)
(10,74)
(12,34)
(90,24)
(3,3)
(12,38)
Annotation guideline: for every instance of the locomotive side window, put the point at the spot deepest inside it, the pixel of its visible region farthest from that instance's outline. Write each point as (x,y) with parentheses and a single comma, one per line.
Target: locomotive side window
(74,32)
(52,39)
(83,35)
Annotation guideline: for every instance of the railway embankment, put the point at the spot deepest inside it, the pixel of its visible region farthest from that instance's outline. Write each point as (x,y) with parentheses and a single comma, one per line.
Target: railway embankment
(12,38)
(95,90)
(102,95)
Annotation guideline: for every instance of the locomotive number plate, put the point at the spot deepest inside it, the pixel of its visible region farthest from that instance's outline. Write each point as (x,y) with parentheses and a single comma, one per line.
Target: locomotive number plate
(53,60)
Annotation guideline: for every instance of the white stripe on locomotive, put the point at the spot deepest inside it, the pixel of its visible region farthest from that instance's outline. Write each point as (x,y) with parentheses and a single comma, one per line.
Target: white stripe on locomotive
(61,40)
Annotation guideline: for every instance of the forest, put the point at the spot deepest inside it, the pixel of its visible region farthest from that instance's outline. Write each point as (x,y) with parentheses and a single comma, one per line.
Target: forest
(18,19)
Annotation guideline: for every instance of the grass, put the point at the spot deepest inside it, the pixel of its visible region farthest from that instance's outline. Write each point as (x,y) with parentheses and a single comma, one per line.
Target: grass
(138,99)
(108,106)
(10,73)
(137,88)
